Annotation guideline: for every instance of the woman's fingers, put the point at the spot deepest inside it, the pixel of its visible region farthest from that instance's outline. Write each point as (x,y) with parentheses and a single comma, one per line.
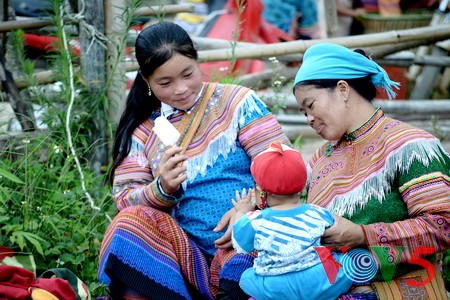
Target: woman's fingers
(225,240)
(224,221)
(343,233)
(171,170)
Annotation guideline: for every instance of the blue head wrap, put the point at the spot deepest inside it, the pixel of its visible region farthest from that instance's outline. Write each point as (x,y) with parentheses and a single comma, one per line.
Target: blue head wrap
(331,61)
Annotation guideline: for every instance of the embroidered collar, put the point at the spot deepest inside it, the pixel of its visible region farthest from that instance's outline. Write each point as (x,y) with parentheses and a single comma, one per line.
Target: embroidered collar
(356,134)
(168,110)
(365,128)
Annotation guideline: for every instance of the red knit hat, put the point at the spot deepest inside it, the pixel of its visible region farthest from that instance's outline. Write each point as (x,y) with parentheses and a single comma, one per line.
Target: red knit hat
(279,170)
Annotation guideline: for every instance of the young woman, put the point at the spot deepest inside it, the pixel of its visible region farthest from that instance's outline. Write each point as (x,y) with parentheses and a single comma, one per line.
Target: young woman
(386,181)
(171,239)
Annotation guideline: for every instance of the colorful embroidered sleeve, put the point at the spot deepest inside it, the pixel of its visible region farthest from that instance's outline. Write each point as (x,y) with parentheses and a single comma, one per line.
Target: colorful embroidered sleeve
(258,127)
(426,193)
(134,183)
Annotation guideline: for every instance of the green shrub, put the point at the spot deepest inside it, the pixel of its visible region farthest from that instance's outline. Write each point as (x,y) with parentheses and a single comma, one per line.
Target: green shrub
(53,204)
(44,210)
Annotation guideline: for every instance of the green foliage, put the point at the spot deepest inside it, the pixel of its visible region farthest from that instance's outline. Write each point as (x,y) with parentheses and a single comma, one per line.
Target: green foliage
(446,269)
(43,208)
(27,67)
(229,74)
(52,204)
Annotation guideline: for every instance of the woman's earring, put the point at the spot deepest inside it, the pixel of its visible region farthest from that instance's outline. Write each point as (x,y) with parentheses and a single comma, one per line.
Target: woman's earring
(149,92)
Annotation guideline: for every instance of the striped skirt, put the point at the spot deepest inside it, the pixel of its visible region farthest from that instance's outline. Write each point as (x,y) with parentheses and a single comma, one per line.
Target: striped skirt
(145,250)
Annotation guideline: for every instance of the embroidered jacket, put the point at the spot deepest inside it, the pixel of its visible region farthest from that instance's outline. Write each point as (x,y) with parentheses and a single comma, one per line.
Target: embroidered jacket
(235,127)
(392,178)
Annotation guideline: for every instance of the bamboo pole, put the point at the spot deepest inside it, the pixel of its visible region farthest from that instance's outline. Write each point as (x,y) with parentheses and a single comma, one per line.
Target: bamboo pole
(37,23)
(42,77)
(264,78)
(46,77)
(397,107)
(384,50)
(33,23)
(424,60)
(372,42)
(165,9)
(202,43)
(425,34)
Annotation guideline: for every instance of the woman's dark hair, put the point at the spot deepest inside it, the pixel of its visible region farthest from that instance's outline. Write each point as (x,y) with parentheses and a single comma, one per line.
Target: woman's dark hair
(363,86)
(154,46)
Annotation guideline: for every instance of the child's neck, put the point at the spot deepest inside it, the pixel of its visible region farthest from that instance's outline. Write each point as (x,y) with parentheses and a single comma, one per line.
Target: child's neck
(283,202)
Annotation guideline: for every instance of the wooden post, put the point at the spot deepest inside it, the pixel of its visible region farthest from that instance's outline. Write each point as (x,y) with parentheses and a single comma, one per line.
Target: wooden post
(92,61)
(22,109)
(115,28)
(330,16)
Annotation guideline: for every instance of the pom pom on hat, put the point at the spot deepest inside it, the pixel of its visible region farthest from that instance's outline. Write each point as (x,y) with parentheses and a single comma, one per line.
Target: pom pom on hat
(279,170)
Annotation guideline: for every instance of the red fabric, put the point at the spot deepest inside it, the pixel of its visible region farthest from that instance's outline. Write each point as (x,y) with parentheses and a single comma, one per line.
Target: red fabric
(279,170)
(15,283)
(253,29)
(5,252)
(48,43)
(58,287)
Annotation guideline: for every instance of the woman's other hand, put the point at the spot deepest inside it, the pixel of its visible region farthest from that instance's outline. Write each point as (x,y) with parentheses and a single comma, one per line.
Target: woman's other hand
(241,206)
(344,233)
(171,169)
(227,220)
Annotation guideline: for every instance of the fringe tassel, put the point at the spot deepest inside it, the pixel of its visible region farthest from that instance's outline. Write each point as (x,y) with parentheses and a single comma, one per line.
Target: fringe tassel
(380,184)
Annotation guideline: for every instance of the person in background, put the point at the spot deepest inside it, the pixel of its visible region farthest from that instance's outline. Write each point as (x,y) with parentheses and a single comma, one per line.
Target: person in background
(297,18)
(286,235)
(171,238)
(386,182)
(346,16)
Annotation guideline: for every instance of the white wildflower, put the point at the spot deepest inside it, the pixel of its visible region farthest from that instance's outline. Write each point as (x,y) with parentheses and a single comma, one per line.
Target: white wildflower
(57,148)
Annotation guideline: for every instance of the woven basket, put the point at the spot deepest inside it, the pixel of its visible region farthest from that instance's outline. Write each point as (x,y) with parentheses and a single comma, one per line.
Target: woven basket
(373,22)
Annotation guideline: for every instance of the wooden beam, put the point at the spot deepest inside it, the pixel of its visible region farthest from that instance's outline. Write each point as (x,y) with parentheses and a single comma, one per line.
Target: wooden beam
(424,34)
(36,23)
(164,9)
(402,109)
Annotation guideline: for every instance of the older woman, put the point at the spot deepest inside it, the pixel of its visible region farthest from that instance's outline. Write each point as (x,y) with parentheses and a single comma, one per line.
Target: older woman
(386,181)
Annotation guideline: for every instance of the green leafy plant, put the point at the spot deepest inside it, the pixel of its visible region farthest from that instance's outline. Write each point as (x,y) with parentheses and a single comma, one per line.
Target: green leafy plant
(43,207)
(52,205)
(446,269)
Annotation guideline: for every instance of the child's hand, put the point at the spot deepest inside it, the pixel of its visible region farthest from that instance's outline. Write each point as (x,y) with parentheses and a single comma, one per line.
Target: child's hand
(245,203)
